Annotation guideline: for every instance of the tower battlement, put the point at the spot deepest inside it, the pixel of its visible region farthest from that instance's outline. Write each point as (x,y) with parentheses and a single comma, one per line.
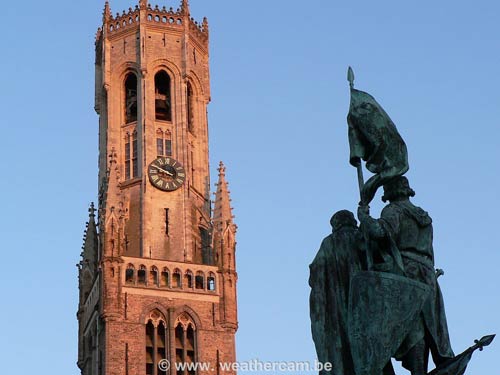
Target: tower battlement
(145,13)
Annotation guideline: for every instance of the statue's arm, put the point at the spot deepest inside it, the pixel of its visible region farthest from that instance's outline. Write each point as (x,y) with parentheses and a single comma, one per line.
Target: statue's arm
(373,226)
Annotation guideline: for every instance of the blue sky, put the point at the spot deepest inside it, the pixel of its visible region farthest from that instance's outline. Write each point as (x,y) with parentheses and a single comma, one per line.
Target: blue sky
(277,119)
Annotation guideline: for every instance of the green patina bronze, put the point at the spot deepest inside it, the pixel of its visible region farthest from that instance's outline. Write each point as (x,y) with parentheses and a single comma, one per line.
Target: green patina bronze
(374,288)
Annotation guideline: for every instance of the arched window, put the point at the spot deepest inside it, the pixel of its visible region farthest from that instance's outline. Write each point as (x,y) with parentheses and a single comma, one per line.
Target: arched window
(154,278)
(130,274)
(163,143)
(211,282)
(131,153)
(206,246)
(189,109)
(176,279)
(141,275)
(163,98)
(156,342)
(165,278)
(185,343)
(188,280)
(130,98)
(200,280)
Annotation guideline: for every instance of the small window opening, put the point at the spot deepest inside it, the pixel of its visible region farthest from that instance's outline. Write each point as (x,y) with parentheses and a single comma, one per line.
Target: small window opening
(135,165)
(164,278)
(190,114)
(200,281)
(130,275)
(154,277)
(167,219)
(188,280)
(131,98)
(150,333)
(163,103)
(206,246)
(141,275)
(211,283)
(179,347)
(127,157)
(176,279)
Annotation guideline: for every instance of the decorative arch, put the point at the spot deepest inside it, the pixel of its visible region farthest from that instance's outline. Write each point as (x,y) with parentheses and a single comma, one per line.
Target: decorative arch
(200,280)
(154,276)
(165,278)
(185,309)
(188,279)
(156,331)
(196,83)
(130,274)
(163,95)
(131,89)
(186,342)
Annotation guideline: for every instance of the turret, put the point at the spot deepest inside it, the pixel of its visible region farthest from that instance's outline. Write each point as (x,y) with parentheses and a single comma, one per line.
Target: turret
(224,238)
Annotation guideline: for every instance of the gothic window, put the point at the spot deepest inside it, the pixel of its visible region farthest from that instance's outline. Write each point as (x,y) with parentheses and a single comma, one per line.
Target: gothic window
(163,98)
(130,98)
(141,275)
(188,279)
(189,109)
(131,153)
(163,143)
(176,279)
(211,282)
(127,157)
(135,169)
(130,274)
(165,279)
(200,280)
(206,246)
(154,277)
(156,342)
(185,343)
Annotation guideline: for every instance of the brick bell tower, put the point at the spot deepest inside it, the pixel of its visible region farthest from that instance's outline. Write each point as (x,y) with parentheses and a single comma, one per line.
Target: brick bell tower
(157,277)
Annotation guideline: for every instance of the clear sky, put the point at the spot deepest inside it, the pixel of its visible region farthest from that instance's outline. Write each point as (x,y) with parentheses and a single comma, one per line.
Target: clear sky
(277,119)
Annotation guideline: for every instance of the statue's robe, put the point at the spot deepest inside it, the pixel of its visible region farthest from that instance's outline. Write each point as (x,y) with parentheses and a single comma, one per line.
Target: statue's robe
(338,258)
(410,228)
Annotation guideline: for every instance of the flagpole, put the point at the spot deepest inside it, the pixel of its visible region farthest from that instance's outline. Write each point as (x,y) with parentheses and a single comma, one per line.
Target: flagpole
(361,180)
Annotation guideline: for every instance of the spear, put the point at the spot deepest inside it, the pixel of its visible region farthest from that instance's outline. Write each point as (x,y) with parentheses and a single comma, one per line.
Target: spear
(458,364)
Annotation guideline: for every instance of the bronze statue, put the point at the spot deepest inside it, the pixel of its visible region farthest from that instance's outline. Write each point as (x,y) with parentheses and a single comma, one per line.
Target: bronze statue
(374,289)
(339,256)
(410,228)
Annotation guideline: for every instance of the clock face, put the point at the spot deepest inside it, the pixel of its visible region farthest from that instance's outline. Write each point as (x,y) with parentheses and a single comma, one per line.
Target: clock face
(166,173)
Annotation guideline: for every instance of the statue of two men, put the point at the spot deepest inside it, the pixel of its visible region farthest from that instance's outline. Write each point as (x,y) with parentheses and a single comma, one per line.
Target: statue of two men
(398,243)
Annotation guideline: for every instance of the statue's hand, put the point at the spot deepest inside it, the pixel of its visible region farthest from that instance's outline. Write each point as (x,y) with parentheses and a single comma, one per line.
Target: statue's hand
(363,212)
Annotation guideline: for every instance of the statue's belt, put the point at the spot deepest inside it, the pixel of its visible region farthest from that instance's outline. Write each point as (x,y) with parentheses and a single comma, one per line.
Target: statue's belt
(422,259)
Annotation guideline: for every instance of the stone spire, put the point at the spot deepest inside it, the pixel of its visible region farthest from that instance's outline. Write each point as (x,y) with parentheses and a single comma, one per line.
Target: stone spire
(143,4)
(106,15)
(223,215)
(185,7)
(90,238)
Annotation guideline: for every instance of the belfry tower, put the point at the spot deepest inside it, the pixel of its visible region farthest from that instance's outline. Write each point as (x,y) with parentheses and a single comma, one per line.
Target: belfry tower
(157,277)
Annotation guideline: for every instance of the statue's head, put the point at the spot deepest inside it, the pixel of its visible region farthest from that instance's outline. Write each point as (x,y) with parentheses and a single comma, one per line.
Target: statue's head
(397,188)
(343,219)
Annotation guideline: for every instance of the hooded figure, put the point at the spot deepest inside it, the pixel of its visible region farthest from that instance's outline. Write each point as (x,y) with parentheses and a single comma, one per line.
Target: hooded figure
(338,258)
(374,138)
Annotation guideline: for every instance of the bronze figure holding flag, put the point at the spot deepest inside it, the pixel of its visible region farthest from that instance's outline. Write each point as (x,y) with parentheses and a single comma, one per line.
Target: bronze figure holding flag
(375,294)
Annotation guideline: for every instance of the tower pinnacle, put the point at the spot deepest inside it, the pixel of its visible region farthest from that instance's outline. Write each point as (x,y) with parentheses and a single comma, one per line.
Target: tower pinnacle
(185,6)
(222,212)
(106,15)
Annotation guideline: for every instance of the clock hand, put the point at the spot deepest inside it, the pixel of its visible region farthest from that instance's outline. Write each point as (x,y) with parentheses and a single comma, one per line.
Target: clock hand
(163,170)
